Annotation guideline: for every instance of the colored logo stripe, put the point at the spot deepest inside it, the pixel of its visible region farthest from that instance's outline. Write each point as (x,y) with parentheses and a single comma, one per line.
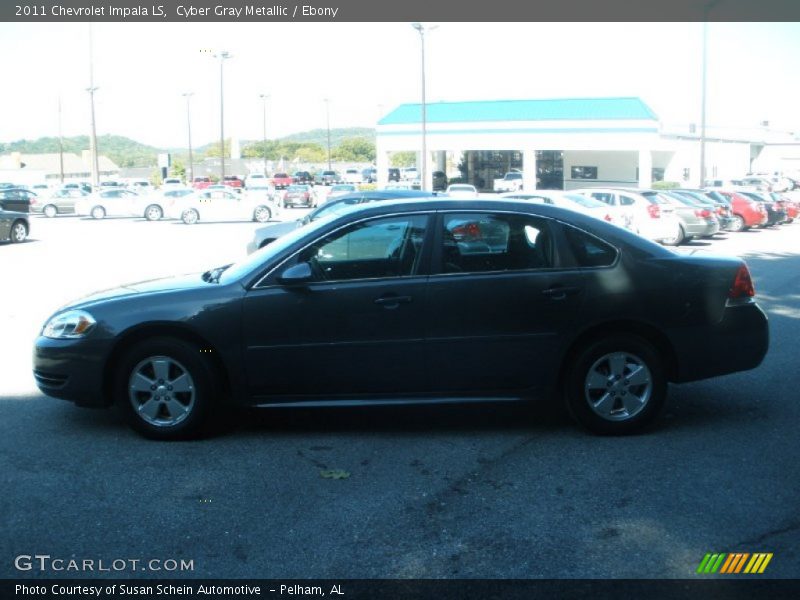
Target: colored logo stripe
(735,562)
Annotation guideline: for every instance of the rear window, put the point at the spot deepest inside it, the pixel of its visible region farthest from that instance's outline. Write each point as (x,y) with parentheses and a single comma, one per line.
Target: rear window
(588,250)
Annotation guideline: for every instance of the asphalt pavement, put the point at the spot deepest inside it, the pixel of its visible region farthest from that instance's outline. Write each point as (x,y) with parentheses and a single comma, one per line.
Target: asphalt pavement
(422,492)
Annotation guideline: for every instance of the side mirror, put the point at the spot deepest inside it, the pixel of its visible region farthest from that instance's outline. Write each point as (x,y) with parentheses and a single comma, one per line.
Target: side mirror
(299,273)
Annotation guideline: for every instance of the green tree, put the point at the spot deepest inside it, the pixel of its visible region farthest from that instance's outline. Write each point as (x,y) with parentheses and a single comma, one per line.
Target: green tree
(178,169)
(403,159)
(213,150)
(358,149)
(312,153)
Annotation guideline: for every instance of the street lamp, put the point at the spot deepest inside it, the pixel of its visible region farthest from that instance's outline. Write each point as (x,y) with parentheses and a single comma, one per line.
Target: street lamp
(421,29)
(264,98)
(328,125)
(706,9)
(92,89)
(188,95)
(60,145)
(222,55)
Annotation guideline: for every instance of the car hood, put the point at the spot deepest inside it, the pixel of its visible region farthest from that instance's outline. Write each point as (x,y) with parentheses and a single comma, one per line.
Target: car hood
(276,229)
(151,286)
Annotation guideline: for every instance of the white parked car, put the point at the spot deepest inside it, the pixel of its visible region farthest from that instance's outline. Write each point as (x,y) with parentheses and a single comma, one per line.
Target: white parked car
(577,202)
(222,205)
(352,176)
(257,181)
(156,206)
(110,202)
(461,191)
(652,217)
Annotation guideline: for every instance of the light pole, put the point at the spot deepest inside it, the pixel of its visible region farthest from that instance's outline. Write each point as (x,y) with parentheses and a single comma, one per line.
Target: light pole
(328,125)
(424,175)
(264,98)
(60,145)
(188,96)
(92,89)
(222,55)
(706,9)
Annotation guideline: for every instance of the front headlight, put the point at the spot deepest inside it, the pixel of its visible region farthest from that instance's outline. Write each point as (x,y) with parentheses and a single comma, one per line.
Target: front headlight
(69,325)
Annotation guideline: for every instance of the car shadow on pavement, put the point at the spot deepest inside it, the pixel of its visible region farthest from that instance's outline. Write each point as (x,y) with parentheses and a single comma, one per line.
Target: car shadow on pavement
(505,416)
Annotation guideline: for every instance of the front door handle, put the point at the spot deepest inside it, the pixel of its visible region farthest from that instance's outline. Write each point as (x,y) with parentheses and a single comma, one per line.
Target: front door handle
(559,293)
(392,301)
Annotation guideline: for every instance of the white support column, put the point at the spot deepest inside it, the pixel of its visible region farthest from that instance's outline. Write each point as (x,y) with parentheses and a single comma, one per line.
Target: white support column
(429,169)
(529,170)
(382,166)
(645,169)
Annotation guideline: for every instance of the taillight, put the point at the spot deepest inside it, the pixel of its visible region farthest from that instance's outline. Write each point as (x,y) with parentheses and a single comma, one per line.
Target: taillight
(608,218)
(742,284)
(654,210)
(720,210)
(703,214)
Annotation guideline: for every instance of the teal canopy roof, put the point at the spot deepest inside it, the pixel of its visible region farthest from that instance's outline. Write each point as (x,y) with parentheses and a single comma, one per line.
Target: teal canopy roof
(566,109)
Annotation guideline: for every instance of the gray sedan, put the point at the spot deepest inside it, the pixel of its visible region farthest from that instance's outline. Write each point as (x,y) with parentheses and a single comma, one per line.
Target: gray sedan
(696,220)
(14,226)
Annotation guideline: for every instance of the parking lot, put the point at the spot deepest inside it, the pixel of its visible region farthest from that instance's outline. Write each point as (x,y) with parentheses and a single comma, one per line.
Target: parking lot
(423,492)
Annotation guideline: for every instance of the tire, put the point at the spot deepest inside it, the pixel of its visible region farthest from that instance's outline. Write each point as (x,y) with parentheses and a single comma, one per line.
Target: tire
(190,216)
(50,211)
(98,212)
(738,224)
(153,212)
(166,388)
(262,214)
(599,394)
(677,240)
(19,232)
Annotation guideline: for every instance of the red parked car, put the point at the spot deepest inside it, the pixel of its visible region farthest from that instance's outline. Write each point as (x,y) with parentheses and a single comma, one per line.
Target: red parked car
(746,212)
(234,182)
(282,180)
(201,183)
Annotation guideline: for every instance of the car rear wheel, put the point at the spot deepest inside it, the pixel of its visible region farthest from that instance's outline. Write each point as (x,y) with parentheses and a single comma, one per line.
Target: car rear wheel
(153,212)
(190,216)
(738,224)
(677,240)
(166,388)
(262,214)
(50,211)
(616,385)
(19,232)
(98,212)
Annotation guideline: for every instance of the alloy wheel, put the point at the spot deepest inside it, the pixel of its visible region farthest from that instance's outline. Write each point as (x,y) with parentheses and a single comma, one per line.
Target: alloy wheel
(618,386)
(161,391)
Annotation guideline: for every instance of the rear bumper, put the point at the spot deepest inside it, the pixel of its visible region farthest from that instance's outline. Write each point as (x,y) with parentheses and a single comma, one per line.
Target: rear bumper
(738,342)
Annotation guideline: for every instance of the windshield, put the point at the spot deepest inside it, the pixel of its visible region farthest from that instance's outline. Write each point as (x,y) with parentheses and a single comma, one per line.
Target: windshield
(264,255)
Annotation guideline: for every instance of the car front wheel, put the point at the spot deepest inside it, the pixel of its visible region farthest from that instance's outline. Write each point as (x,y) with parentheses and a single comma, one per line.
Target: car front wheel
(98,212)
(616,385)
(166,388)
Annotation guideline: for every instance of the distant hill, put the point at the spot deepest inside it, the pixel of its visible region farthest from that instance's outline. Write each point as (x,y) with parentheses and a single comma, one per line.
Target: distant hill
(127,153)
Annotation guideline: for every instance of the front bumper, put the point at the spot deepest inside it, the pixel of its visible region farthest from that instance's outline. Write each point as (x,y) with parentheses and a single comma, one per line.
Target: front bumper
(72,370)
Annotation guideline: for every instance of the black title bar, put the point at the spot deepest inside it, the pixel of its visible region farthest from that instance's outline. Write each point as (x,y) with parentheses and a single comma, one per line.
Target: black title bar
(231,11)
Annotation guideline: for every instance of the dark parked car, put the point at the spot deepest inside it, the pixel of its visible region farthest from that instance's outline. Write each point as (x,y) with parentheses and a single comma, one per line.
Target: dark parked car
(16,199)
(394,174)
(439,181)
(303,177)
(413,302)
(60,202)
(14,226)
(266,235)
(369,175)
(299,195)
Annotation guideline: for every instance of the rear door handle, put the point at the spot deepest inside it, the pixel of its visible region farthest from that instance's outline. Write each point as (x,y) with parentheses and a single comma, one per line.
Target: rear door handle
(559,293)
(392,301)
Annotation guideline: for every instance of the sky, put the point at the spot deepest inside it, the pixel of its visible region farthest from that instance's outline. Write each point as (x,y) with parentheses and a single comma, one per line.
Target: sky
(141,71)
